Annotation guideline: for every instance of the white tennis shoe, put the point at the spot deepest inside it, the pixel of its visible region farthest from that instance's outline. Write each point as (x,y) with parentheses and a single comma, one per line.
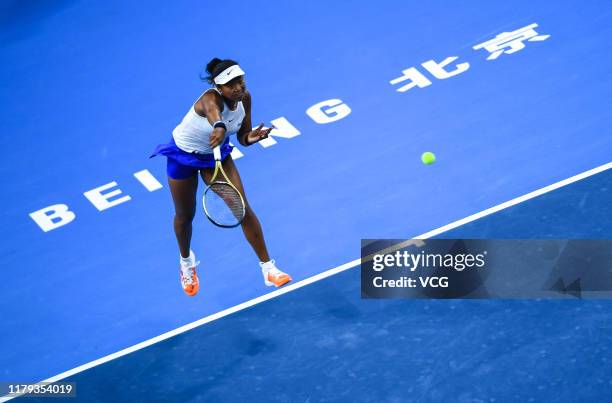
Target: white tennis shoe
(189,276)
(272,275)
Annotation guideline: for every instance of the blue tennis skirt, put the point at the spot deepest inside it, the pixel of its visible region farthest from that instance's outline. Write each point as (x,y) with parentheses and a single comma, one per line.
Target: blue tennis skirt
(182,165)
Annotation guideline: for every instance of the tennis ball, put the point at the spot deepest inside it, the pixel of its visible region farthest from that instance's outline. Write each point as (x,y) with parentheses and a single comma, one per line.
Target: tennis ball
(428,158)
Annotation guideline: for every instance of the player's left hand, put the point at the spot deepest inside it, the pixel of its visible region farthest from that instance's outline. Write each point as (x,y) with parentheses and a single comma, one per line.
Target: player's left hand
(258,134)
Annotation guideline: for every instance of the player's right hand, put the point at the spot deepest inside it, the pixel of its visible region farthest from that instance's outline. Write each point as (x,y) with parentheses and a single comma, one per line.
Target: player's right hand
(217,136)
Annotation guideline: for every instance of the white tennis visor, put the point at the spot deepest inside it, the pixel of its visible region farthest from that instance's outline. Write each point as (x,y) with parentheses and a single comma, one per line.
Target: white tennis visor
(229,74)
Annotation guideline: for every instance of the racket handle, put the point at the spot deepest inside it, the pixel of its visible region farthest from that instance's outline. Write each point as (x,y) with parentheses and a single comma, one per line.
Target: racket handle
(217,153)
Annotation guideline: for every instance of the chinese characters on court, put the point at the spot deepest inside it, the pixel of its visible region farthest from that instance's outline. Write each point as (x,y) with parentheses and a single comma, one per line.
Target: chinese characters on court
(511,42)
(506,42)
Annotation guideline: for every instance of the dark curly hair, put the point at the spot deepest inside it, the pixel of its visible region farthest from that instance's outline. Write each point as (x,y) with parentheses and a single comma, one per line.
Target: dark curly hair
(216,66)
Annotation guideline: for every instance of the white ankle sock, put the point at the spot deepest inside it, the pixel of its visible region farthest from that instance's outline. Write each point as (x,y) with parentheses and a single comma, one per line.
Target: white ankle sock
(268,265)
(187,261)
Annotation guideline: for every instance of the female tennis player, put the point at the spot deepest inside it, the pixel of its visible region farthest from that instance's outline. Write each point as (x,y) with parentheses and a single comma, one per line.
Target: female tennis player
(221,111)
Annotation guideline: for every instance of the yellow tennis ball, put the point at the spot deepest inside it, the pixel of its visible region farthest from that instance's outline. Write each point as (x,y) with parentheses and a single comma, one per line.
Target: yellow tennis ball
(428,158)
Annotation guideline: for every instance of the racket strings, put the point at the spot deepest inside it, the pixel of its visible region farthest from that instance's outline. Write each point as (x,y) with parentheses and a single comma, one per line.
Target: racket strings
(224,204)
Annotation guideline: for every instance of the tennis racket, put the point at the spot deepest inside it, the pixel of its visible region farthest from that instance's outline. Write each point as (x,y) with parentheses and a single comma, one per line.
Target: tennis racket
(223,204)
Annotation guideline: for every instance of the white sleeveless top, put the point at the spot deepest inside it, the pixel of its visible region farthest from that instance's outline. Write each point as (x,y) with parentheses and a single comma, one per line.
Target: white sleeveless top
(193,133)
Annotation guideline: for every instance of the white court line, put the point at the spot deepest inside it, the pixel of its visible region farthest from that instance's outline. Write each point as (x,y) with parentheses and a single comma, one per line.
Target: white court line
(321,276)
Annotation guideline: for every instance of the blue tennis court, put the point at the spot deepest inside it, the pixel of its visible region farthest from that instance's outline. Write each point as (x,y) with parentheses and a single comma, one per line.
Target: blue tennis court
(357,92)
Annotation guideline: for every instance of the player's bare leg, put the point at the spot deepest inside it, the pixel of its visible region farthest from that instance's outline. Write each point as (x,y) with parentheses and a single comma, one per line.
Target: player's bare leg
(184,196)
(251,227)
